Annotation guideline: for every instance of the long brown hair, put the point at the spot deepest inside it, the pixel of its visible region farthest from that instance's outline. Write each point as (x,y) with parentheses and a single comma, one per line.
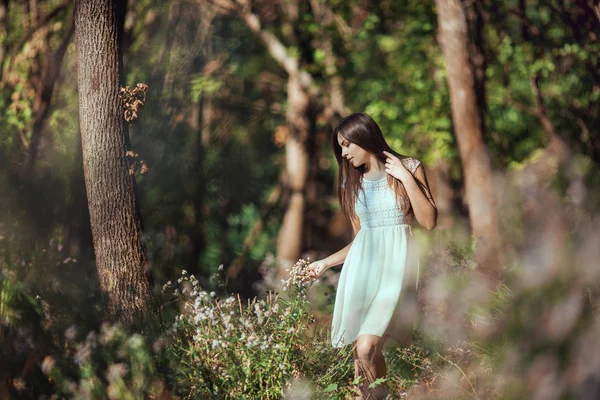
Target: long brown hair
(361,129)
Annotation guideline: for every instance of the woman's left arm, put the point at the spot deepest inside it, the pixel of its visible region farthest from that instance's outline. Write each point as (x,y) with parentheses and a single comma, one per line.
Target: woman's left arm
(421,199)
(417,187)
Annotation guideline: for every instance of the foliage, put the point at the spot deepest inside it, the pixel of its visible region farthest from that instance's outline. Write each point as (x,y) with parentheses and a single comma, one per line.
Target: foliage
(262,348)
(206,138)
(111,364)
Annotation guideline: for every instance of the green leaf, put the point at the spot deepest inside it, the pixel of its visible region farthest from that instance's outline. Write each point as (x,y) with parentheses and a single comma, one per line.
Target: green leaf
(331,388)
(377,382)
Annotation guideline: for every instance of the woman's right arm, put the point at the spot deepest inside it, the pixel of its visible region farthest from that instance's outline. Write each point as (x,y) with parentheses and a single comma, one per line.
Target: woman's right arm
(337,258)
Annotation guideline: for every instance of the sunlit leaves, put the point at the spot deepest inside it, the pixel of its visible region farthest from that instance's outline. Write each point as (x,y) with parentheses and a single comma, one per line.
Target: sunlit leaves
(204,84)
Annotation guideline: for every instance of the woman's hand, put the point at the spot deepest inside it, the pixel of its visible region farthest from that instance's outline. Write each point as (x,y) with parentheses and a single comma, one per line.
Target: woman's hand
(394,167)
(316,269)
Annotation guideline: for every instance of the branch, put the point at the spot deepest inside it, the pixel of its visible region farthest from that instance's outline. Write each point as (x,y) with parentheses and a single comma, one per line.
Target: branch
(324,17)
(556,141)
(525,21)
(277,50)
(50,71)
(41,24)
(597,8)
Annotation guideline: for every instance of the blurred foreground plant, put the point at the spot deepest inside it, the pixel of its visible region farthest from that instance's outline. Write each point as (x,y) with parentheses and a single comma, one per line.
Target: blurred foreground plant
(111,364)
(259,348)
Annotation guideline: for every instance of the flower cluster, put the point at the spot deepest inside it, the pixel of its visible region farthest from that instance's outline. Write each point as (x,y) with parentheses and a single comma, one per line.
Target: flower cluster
(236,343)
(299,277)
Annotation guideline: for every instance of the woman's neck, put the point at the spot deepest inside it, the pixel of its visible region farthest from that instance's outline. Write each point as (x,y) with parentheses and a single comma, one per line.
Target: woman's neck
(374,169)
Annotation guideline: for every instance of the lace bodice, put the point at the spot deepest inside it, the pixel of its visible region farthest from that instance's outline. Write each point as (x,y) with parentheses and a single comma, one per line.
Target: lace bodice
(377,206)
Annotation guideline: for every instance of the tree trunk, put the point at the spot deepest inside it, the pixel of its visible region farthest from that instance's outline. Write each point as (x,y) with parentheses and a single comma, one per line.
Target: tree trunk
(50,69)
(77,233)
(116,226)
(3,30)
(289,241)
(476,43)
(473,153)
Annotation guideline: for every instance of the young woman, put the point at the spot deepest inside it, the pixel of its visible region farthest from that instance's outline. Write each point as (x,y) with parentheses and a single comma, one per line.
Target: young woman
(380,191)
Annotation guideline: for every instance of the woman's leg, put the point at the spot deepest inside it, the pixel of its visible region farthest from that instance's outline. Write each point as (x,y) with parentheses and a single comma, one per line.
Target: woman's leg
(370,363)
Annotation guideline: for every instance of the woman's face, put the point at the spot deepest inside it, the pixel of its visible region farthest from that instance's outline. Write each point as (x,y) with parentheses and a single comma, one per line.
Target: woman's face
(355,154)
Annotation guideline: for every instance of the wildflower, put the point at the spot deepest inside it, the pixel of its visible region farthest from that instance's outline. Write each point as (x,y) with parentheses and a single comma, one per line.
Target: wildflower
(230,301)
(220,267)
(136,341)
(215,344)
(212,294)
(71,332)
(158,344)
(19,383)
(116,371)
(184,272)
(83,355)
(48,364)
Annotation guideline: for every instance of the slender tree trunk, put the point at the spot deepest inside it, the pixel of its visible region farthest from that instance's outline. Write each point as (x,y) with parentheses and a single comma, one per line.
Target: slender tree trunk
(77,233)
(114,215)
(50,70)
(473,153)
(196,229)
(289,241)
(3,30)
(476,43)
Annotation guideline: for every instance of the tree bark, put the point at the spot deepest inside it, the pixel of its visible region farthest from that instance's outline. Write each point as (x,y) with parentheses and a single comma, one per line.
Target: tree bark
(116,226)
(476,43)
(473,153)
(289,241)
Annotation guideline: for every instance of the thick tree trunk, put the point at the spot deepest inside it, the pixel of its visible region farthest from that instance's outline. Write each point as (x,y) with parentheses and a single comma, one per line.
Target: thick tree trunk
(473,153)
(116,226)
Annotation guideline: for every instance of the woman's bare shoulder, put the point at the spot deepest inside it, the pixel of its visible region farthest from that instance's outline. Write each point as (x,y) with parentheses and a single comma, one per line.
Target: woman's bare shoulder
(411,163)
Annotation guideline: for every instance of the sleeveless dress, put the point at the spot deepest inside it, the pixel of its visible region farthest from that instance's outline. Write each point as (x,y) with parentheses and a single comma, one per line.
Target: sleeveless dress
(379,266)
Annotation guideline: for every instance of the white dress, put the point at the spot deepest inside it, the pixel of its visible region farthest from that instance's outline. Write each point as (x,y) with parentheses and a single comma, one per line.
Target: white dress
(377,267)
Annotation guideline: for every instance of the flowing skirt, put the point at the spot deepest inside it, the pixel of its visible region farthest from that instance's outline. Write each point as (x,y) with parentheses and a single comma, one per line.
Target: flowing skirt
(379,266)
